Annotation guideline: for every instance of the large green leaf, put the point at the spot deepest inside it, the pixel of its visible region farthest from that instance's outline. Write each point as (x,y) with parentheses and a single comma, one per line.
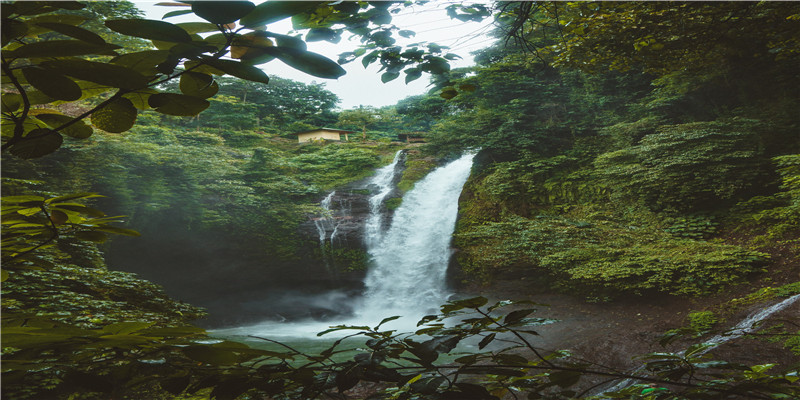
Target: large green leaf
(52,84)
(37,143)
(177,104)
(222,12)
(239,70)
(308,62)
(273,11)
(74,32)
(61,48)
(116,117)
(78,130)
(198,27)
(99,72)
(12,29)
(144,62)
(11,102)
(198,85)
(149,29)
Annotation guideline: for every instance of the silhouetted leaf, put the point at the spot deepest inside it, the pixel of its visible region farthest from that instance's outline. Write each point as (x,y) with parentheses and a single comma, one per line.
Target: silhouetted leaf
(517,316)
(326,34)
(272,11)
(11,102)
(12,29)
(37,143)
(486,340)
(311,63)
(143,62)
(74,32)
(78,130)
(52,84)
(116,117)
(251,46)
(176,13)
(92,236)
(222,12)
(194,83)
(177,104)
(389,76)
(197,27)
(240,70)
(61,48)
(385,320)
(149,29)
(412,74)
(99,72)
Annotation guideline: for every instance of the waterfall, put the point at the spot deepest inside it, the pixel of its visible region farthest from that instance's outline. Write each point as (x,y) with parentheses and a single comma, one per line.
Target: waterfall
(325,223)
(409,261)
(382,181)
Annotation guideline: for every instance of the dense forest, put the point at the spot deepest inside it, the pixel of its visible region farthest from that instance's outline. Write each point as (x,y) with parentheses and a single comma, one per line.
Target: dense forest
(631,151)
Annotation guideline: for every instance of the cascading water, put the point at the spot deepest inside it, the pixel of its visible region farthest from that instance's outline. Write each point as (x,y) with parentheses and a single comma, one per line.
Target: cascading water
(325,223)
(383,181)
(410,260)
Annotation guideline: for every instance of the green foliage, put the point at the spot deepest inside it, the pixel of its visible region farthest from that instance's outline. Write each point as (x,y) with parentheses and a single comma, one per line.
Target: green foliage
(33,223)
(693,227)
(702,321)
(425,364)
(393,203)
(777,215)
(688,167)
(601,257)
(416,168)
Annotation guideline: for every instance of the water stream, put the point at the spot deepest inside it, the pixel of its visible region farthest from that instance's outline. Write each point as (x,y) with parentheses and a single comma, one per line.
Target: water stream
(745,326)
(408,261)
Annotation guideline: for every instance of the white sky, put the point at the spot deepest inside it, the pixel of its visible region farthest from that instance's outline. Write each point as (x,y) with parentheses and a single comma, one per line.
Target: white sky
(362,86)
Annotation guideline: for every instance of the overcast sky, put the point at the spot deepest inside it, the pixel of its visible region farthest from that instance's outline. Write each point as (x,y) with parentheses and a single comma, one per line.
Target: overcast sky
(363,86)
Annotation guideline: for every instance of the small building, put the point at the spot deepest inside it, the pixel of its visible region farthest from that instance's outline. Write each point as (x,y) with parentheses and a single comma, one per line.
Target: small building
(412,137)
(322,134)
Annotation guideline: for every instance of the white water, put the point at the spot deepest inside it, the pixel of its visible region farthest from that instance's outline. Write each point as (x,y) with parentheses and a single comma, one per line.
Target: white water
(325,223)
(382,180)
(408,261)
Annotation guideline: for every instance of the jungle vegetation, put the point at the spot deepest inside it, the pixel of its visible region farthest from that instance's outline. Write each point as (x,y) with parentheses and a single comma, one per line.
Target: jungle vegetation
(625,149)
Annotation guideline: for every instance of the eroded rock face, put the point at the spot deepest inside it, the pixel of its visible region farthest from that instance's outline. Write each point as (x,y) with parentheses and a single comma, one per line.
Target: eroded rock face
(335,239)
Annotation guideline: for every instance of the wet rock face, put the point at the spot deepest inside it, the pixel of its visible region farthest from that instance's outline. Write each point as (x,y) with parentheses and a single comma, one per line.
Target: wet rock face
(334,239)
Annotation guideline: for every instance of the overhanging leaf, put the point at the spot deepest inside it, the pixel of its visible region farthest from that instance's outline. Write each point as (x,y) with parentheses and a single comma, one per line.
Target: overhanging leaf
(177,104)
(311,63)
(192,83)
(74,32)
(37,143)
(78,130)
(222,12)
(61,48)
(99,72)
(176,13)
(273,11)
(116,117)
(52,84)
(143,62)
(240,70)
(149,29)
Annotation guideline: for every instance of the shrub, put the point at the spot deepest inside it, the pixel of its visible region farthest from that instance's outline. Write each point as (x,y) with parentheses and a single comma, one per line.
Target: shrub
(689,167)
